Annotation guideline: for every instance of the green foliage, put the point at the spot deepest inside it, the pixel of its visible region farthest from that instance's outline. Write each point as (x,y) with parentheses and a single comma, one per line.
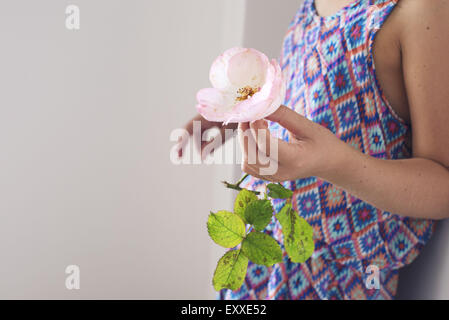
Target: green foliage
(260,248)
(259,214)
(244,198)
(225,228)
(230,271)
(277,191)
(298,234)
(228,229)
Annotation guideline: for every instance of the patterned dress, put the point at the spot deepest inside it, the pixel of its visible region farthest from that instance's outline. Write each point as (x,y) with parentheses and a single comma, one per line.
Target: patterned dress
(331,80)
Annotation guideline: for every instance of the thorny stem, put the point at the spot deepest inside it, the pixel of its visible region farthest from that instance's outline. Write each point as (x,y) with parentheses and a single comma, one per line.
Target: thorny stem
(236,186)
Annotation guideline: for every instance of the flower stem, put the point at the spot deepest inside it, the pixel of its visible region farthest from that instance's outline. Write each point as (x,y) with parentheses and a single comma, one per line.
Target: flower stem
(236,186)
(241,180)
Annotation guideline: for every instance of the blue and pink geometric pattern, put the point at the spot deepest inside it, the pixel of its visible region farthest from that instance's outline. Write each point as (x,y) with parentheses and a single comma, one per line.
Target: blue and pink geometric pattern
(331,80)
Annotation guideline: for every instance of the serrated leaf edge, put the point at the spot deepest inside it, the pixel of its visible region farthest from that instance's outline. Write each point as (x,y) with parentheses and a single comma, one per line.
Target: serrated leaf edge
(232,268)
(246,238)
(232,231)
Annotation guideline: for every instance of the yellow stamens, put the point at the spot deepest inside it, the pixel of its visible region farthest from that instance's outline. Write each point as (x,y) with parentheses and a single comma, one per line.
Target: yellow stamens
(246,92)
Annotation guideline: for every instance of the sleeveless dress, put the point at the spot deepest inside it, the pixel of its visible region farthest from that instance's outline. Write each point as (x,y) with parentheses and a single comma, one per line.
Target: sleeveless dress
(330,73)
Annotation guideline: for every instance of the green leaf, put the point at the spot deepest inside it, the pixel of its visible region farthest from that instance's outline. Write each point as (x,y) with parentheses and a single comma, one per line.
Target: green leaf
(225,228)
(298,234)
(259,213)
(260,248)
(244,198)
(230,271)
(277,191)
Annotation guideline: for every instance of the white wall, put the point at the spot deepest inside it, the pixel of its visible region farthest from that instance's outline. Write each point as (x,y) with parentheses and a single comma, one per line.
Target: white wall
(85,174)
(266,24)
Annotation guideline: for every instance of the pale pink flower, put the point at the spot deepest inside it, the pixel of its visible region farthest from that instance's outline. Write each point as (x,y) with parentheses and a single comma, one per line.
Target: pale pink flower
(247,86)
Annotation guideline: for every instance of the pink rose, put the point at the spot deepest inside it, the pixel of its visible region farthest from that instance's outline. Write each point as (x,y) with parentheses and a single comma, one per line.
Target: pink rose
(246,87)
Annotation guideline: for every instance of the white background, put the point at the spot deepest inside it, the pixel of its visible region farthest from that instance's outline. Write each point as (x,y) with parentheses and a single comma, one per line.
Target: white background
(85,120)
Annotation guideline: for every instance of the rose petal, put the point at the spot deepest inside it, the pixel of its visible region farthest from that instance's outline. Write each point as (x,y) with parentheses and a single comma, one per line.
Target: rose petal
(210,114)
(278,93)
(250,114)
(247,68)
(238,68)
(267,100)
(217,99)
(218,71)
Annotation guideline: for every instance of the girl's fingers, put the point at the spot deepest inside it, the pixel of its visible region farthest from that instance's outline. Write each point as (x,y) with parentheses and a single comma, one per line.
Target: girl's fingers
(204,144)
(261,135)
(246,142)
(254,171)
(251,153)
(276,149)
(254,161)
(292,121)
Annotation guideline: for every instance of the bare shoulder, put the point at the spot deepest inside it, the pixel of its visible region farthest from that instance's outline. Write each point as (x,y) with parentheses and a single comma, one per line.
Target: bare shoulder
(413,20)
(422,7)
(422,17)
(424,42)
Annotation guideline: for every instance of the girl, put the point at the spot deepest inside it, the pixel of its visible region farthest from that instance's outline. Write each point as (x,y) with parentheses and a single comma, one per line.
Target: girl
(364,145)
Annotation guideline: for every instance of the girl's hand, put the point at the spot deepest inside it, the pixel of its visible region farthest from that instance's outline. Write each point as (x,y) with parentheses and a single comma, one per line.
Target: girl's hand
(312,149)
(205,125)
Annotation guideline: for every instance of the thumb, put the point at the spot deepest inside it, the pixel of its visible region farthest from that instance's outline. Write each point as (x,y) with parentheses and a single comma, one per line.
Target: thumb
(297,124)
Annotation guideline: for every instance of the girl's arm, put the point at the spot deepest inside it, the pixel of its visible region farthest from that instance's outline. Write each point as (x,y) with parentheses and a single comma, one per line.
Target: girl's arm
(417,187)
